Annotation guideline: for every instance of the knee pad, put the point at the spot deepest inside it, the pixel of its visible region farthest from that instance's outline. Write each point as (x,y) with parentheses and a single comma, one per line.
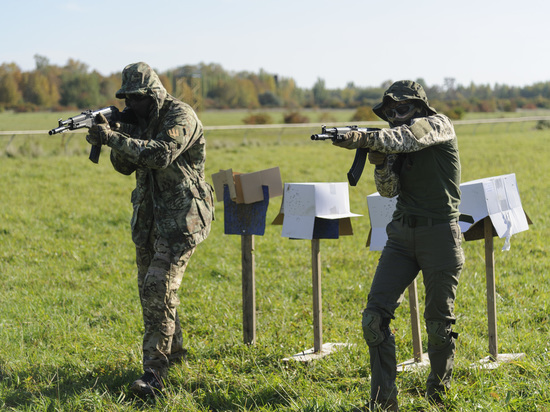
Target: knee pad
(374,328)
(439,333)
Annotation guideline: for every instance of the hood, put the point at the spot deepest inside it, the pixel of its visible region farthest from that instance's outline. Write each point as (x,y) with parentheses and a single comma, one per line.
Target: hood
(140,78)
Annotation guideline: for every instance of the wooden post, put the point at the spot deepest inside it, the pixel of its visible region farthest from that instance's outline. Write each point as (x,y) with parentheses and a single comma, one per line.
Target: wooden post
(415,322)
(317,301)
(249,289)
(491,288)
(319,349)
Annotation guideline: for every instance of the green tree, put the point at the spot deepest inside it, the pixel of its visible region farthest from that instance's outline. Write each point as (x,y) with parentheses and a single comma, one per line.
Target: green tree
(78,87)
(320,92)
(10,77)
(184,91)
(52,73)
(38,90)
(268,81)
(246,94)
(288,93)
(269,99)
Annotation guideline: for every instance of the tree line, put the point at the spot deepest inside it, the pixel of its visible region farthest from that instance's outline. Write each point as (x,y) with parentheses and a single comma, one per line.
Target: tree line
(209,86)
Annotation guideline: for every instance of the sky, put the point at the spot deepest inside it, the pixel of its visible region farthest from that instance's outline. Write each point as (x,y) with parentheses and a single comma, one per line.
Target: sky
(338,41)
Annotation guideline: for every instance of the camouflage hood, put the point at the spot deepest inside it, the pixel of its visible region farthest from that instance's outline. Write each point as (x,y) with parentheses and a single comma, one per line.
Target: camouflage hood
(140,78)
(403,90)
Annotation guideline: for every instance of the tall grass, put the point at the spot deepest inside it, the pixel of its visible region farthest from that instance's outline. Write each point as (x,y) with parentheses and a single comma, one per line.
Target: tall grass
(70,321)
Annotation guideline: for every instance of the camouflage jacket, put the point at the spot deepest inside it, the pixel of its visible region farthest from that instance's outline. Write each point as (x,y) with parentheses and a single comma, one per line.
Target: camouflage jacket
(167,154)
(422,166)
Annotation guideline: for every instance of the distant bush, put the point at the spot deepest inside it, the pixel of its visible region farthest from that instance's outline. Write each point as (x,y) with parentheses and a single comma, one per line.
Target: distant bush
(258,118)
(327,117)
(487,106)
(542,125)
(455,113)
(454,110)
(295,117)
(26,108)
(364,113)
(507,105)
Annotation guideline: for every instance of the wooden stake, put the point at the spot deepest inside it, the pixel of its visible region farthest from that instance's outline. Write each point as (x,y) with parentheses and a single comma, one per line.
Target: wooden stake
(317,301)
(249,289)
(491,288)
(419,359)
(415,322)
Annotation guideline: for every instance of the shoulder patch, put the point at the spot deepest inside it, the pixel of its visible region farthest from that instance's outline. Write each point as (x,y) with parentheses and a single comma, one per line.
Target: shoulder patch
(421,128)
(173,132)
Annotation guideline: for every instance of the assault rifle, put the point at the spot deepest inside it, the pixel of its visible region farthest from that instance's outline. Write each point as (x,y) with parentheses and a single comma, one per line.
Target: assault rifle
(337,133)
(88,119)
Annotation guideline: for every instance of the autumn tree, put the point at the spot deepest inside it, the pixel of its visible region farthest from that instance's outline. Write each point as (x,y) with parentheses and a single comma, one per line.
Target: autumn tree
(10,79)
(78,87)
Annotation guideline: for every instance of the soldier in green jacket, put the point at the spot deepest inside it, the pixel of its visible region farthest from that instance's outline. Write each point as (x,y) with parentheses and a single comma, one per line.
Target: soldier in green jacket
(417,160)
(173,207)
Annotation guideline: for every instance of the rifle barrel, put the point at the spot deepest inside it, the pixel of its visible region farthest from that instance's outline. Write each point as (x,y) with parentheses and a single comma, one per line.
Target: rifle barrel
(321,136)
(59,129)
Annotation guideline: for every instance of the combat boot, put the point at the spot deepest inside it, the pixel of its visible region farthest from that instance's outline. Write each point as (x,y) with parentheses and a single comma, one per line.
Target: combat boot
(435,398)
(150,384)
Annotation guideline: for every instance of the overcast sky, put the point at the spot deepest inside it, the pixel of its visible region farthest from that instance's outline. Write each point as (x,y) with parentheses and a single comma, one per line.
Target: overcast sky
(340,41)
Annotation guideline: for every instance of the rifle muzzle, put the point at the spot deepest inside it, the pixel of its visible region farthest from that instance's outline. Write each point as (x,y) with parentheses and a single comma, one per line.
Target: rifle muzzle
(321,136)
(59,129)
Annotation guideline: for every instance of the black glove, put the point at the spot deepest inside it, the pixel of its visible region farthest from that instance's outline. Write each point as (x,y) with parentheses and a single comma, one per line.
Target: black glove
(377,158)
(100,133)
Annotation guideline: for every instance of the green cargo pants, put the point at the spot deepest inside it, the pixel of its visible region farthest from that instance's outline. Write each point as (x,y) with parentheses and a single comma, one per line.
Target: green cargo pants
(160,273)
(436,250)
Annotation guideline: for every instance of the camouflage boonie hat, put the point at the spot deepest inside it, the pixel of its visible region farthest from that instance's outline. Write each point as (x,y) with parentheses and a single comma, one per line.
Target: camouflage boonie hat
(139,78)
(403,90)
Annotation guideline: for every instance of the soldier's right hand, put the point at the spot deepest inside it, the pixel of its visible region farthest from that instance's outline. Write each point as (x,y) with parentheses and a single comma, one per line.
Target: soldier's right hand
(93,137)
(100,132)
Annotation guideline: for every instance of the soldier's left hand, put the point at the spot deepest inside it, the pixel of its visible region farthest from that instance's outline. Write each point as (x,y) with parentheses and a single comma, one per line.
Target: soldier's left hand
(377,158)
(352,140)
(100,132)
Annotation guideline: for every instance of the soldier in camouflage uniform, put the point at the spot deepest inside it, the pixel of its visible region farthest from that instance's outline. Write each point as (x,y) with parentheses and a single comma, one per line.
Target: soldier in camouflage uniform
(417,160)
(173,207)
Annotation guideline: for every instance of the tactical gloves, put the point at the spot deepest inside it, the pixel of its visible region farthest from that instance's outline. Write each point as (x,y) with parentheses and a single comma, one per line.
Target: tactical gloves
(377,158)
(353,140)
(100,132)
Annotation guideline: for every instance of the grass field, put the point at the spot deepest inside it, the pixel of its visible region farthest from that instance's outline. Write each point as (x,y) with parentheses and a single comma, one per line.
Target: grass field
(70,321)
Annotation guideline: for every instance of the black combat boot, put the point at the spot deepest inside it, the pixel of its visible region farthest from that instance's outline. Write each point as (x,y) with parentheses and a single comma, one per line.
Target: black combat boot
(150,384)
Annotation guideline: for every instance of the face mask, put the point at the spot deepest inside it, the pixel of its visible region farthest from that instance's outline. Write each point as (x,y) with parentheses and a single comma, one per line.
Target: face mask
(140,104)
(401,113)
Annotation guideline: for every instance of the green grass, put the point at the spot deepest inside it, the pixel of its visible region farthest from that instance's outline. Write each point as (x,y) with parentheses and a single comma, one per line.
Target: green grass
(70,321)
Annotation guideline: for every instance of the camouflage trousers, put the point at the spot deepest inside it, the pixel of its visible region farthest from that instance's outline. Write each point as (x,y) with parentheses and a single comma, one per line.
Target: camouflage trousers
(160,273)
(436,250)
